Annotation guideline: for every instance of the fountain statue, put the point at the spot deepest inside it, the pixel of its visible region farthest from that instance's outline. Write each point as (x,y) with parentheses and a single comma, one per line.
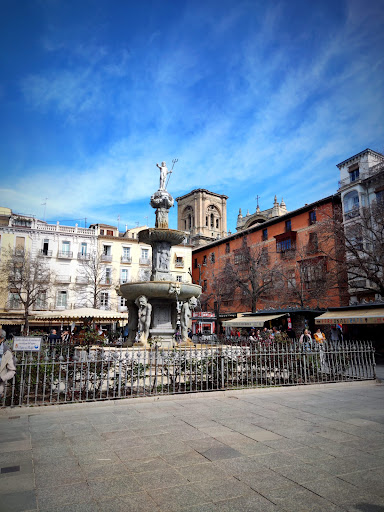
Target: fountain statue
(157,306)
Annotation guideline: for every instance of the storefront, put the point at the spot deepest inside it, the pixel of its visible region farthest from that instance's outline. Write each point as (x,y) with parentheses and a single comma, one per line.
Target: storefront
(203,322)
(357,322)
(248,321)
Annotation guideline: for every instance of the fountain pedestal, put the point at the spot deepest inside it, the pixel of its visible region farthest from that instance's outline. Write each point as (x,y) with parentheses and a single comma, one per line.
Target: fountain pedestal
(162,293)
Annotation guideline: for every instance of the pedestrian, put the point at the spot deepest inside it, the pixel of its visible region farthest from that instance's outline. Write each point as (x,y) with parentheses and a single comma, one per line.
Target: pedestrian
(53,338)
(319,336)
(7,363)
(306,339)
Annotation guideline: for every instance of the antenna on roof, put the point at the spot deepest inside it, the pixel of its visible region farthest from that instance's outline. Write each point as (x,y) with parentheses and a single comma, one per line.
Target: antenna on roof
(45,205)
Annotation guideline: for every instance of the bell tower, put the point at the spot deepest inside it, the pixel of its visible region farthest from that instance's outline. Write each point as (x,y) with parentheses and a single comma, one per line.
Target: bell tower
(203,214)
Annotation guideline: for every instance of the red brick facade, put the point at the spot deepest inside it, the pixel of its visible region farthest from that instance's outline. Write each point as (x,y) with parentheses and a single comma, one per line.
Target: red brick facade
(296,245)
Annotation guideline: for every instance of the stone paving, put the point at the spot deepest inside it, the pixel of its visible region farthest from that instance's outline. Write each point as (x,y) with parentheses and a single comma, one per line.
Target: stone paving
(315,448)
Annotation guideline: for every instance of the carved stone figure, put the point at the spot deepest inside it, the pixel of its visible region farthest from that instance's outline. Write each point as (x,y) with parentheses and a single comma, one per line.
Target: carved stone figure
(161,218)
(163,256)
(143,317)
(186,317)
(163,174)
(132,323)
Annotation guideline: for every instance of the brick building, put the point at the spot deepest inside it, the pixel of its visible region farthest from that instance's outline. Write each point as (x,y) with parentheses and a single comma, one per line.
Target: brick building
(292,257)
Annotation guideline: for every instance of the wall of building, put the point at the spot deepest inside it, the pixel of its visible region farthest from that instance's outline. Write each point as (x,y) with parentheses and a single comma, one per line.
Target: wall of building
(209,260)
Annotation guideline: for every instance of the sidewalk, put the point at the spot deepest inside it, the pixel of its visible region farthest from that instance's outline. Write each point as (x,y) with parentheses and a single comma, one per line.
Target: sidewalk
(315,448)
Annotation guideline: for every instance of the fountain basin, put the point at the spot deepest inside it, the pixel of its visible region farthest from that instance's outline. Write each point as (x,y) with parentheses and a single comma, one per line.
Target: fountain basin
(152,235)
(158,290)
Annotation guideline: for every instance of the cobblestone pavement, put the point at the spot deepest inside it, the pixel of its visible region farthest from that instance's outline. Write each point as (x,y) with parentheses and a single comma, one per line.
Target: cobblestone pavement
(315,448)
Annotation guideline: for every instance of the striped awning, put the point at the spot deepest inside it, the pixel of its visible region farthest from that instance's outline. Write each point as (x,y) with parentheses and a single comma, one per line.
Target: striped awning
(352,316)
(250,321)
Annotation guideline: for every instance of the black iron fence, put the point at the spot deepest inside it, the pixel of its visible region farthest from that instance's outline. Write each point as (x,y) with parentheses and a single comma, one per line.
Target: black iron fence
(68,374)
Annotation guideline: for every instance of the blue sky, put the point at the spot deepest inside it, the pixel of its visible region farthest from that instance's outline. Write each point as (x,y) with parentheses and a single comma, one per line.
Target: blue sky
(253,98)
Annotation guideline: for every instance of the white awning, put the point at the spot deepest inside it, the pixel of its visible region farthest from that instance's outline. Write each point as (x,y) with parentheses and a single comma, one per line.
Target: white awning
(73,314)
(352,316)
(250,321)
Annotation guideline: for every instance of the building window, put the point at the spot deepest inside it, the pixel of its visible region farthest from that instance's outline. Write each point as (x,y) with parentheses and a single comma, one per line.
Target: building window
(284,245)
(41,301)
(179,279)
(109,232)
(264,256)
(212,257)
(204,285)
(83,249)
(227,248)
(108,275)
(288,225)
(351,204)
(14,301)
(354,175)
(204,259)
(62,299)
(101,231)
(124,275)
(313,243)
(265,234)
(312,217)
(195,263)
(107,250)
(380,196)
(217,223)
(126,253)
(104,299)
(65,246)
(145,254)
(123,302)
(291,279)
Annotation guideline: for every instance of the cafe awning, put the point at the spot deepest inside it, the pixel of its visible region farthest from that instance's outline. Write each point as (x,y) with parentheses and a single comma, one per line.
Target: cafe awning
(75,314)
(13,321)
(250,321)
(352,316)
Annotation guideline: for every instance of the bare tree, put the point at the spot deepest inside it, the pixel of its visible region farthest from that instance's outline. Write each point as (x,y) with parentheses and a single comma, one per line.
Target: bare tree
(96,279)
(221,289)
(359,248)
(251,272)
(27,282)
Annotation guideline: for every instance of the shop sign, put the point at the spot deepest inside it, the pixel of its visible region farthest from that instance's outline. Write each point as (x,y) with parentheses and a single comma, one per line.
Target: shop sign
(203,314)
(26,343)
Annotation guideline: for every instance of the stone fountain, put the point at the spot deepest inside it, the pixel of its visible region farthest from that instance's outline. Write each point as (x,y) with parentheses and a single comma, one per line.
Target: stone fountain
(159,306)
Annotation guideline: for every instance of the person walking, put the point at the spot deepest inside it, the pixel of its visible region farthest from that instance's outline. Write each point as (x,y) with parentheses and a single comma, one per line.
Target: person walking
(7,363)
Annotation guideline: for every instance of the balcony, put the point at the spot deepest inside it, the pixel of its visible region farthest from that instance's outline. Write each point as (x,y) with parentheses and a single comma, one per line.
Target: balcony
(46,253)
(351,214)
(82,280)
(83,256)
(145,261)
(179,264)
(127,280)
(126,259)
(63,279)
(67,255)
(106,282)
(106,258)
(41,306)
(15,305)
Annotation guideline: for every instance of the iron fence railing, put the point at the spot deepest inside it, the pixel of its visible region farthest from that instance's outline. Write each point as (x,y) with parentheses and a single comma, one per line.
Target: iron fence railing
(67,374)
